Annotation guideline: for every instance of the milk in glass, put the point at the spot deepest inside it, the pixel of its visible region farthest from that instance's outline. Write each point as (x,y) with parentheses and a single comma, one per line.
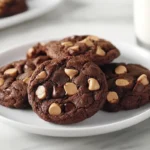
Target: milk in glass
(142,22)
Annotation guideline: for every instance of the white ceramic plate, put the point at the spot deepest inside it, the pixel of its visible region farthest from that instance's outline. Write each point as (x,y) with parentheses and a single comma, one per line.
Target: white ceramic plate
(100,123)
(36,9)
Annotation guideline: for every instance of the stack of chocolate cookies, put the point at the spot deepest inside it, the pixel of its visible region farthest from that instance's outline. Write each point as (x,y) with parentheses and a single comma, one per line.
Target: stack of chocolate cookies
(69,80)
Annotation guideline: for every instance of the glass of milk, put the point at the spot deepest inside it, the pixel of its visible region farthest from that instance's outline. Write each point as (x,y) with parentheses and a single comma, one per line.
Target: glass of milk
(142,22)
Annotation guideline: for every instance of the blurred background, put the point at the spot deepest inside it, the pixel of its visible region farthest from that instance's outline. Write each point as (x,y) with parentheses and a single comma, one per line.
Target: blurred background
(105,18)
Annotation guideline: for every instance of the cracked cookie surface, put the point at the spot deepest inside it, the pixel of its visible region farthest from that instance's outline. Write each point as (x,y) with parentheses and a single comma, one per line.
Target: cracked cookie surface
(95,49)
(128,85)
(37,50)
(67,91)
(14,79)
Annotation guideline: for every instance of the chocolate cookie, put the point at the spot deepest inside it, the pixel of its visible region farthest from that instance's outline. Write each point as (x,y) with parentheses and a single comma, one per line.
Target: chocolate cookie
(95,49)
(129,86)
(37,50)
(14,79)
(67,91)
(12,7)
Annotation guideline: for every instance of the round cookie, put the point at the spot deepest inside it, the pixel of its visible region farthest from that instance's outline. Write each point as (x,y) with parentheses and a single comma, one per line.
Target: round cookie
(12,7)
(95,49)
(128,85)
(67,91)
(14,79)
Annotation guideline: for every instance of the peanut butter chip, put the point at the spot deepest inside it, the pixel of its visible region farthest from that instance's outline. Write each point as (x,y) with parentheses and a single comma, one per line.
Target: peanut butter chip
(71,72)
(92,37)
(26,67)
(112,97)
(122,82)
(74,48)
(12,72)
(41,75)
(42,43)
(143,79)
(1,81)
(88,42)
(41,92)
(67,44)
(54,109)
(70,88)
(100,51)
(26,80)
(93,84)
(30,52)
(120,69)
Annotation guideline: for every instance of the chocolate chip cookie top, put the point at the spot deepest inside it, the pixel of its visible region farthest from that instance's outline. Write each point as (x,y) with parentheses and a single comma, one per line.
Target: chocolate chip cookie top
(67,91)
(129,86)
(95,49)
(12,7)
(14,78)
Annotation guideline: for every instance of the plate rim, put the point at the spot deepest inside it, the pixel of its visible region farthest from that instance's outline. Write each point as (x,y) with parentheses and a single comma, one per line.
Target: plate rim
(76,132)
